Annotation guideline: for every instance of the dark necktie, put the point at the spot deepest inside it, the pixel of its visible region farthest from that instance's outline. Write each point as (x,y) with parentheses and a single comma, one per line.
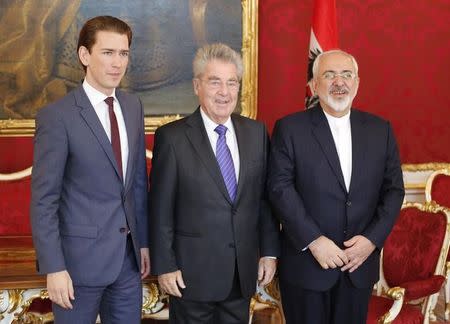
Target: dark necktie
(115,136)
(225,161)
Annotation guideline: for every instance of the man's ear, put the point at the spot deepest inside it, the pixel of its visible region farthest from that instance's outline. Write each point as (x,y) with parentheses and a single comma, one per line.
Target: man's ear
(84,55)
(313,86)
(196,84)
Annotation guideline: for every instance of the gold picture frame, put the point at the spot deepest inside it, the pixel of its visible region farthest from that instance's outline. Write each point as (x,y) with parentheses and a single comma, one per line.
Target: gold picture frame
(249,90)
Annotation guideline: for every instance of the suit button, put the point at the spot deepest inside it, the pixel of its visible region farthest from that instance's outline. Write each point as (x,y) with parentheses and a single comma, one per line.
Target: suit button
(122,230)
(348,203)
(231,245)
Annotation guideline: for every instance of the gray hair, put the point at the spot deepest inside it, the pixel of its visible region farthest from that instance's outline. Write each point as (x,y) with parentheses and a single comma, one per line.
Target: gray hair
(316,63)
(216,51)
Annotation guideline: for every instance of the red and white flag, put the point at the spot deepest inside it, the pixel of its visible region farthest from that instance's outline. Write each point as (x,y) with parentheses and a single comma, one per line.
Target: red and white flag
(324,36)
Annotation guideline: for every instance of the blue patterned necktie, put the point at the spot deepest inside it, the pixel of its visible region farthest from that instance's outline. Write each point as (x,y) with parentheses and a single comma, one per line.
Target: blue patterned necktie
(223,156)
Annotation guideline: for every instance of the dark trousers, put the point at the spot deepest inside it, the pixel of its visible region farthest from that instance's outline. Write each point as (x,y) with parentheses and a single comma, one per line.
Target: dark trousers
(343,303)
(117,303)
(233,310)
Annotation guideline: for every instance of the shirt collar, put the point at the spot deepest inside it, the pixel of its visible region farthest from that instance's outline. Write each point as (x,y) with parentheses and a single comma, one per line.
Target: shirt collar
(343,120)
(211,125)
(95,96)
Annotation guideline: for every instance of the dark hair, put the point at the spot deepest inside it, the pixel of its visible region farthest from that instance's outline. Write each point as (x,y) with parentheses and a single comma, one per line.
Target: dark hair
(88,32)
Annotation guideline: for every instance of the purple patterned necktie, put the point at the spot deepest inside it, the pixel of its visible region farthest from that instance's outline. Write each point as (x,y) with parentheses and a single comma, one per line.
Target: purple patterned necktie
(225,161)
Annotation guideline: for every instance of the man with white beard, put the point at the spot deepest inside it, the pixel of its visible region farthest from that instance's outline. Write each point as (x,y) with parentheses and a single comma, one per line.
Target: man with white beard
(335,182)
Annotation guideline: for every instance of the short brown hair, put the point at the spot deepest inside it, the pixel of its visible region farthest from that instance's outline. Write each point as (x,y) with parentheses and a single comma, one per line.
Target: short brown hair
(88,32)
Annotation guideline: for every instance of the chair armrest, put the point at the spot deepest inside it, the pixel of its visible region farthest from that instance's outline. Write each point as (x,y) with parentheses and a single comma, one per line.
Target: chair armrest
(397,294)
(422,288)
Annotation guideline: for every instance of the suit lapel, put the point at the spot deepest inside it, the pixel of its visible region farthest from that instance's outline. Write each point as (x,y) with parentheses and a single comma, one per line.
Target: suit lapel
(322,133)
(131,133)
(243,145)
(359,142)
(196,133)
(90,117)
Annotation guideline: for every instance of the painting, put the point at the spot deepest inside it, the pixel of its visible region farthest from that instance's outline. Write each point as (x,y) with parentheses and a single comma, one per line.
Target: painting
(39,63)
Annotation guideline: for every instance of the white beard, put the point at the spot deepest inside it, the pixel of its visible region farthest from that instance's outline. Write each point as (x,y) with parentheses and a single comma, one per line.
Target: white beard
(338,105)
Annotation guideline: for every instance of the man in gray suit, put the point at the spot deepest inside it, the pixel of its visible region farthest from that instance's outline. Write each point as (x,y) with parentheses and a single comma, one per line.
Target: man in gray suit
(212,232)
(89,187)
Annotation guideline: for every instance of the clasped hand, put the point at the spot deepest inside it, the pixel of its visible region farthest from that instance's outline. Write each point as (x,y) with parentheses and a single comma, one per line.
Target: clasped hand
(330,256)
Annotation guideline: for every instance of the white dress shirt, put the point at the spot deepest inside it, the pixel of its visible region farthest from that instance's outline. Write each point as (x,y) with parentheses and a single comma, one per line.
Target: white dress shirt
(342,136)
(230,137)
(97,100)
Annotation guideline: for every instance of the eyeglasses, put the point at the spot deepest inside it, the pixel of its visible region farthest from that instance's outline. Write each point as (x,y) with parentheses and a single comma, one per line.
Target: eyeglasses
(330,75)
(215,84)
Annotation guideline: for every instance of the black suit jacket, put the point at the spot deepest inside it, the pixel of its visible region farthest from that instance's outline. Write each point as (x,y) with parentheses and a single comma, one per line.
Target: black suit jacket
(194,225)
(307,191)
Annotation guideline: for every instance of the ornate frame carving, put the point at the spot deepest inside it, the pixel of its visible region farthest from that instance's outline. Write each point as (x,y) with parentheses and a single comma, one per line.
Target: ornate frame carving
(26,127)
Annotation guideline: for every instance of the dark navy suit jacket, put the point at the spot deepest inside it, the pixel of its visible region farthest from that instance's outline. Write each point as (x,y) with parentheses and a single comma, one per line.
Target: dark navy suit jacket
(308,193)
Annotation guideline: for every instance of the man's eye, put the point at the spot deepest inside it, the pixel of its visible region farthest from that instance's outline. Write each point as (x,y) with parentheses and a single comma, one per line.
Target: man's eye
(347,75)
(329,75)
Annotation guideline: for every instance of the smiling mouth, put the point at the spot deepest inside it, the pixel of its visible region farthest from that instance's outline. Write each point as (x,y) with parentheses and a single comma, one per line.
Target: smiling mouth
(222,102)
(339,92)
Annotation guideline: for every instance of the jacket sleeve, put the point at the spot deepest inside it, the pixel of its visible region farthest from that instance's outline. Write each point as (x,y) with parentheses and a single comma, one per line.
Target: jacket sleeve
(269,225)
(163,186)
(141,193)
(391,195)
(286,201)
(50,155)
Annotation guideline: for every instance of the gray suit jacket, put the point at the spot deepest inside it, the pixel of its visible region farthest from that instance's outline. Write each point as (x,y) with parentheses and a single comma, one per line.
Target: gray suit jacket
(80,206)
(194,225)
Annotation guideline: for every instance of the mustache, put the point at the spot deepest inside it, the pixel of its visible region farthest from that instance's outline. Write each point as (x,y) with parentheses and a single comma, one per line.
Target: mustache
(339,88)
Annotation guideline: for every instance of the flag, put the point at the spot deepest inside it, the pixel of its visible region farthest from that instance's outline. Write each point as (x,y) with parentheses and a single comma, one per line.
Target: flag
(324,36)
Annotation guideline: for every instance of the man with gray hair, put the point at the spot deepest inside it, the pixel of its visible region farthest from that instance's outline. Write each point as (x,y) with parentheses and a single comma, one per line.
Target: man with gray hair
(335,182)
(212,233)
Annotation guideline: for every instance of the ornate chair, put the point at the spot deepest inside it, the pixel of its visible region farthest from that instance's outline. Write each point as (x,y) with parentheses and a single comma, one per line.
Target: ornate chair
(265,305)
(412,266)
(15,203)
(438,189)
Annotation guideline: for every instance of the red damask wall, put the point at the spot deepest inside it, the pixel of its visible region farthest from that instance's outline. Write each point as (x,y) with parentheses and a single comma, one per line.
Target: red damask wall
(403,51)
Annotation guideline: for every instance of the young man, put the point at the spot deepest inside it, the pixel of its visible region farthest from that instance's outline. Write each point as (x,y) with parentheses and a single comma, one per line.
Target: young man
(89,187)
(335,182)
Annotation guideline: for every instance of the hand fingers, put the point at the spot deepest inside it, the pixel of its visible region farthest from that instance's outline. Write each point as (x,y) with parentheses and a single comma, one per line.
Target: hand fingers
(350,242)
(170,287)
(60,297)
(260,272)
(71,291)
(180,280)
(145,267)
(268,276)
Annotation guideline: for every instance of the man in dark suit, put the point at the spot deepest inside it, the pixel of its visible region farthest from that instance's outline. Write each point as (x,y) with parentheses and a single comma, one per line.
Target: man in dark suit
(89,187)
(210,224)
(335,182)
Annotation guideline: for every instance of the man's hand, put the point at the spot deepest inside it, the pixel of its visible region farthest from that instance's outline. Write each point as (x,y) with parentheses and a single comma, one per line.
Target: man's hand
(60,289)
(266,270)
(171,282)
(145,262)
(358,250)
(328,254)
